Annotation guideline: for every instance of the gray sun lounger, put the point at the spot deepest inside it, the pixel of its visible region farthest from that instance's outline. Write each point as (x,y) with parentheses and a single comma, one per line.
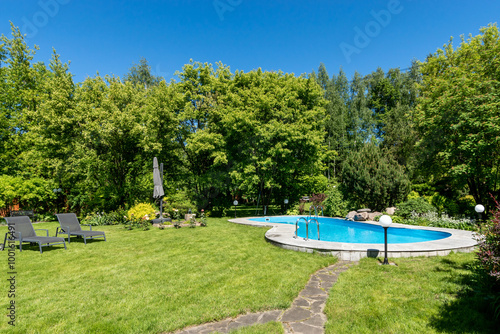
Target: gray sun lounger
(71,226)
(23,231)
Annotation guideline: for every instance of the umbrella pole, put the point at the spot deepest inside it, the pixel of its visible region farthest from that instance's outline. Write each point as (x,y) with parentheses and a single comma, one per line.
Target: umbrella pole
(161,209)
(161,198)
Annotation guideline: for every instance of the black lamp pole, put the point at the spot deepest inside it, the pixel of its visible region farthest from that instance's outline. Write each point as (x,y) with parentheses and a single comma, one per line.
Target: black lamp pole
(386,261)
(385,221)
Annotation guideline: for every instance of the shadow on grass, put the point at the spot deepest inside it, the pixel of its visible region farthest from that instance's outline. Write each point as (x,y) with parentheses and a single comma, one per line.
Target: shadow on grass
(80,240)
(470,311)
(29,248)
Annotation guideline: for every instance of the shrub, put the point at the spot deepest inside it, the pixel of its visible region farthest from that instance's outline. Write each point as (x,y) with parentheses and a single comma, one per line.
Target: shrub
(118,216)
(434,220)
(192,221)
(466,205)
(142,211)
(34,193)
(112,218)
(395,219)
(301,208)
(96,219)
(398,219)
(179,201)
(317,199)
(444,204)
(413,194)
(335,205)
(418,205)
(489,247)
(372,178)
(203,217)
(488,257)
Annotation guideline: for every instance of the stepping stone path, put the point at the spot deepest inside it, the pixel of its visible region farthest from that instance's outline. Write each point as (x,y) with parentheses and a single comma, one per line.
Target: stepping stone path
(305,316)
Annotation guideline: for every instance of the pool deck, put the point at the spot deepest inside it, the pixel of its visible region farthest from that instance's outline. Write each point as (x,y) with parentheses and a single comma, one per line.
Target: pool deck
(282,235)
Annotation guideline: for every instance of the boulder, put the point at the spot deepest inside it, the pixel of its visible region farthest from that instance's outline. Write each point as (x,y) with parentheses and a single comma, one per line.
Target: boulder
(361,217)
(364,210)
(372,215)
(350,215)
(391,210)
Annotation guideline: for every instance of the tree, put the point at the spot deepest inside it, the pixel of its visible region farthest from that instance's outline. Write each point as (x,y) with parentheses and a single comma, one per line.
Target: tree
(336,95)
(360,122)
(141,74)
(457,117)
(274,124)
(49,140)
(372,178)
(200,135)
(392,97)
(21,93)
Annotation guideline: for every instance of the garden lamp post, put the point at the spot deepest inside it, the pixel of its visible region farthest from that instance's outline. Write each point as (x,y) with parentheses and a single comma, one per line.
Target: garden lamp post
(286,203)
(385,221)
(479,209)
(235,203)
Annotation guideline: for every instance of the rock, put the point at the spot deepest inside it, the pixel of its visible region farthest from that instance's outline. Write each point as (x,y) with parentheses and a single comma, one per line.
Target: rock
(391,210)
(361,217)
(372,215)
(350,215)
(364,210)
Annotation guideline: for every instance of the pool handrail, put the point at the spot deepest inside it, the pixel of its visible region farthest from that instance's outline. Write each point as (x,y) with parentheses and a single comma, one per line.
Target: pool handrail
(317,223)
(316,207)
(296,225)
(307,227)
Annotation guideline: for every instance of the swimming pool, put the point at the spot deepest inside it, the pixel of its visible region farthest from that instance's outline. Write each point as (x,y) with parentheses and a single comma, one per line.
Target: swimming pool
(281,233)
(340,230)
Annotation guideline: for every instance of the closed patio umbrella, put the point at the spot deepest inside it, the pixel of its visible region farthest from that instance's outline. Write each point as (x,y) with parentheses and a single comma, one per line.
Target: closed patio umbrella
(158,184)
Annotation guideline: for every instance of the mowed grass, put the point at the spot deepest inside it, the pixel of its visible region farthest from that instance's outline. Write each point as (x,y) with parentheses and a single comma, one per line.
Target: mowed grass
(153,281)
(420,295)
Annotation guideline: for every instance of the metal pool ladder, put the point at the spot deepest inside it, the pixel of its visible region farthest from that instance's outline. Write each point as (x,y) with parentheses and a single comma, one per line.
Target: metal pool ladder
(310,220)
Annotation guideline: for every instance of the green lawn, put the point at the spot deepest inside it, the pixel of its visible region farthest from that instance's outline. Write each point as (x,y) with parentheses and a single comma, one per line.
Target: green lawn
(420,295)
(153,281)
(162,280)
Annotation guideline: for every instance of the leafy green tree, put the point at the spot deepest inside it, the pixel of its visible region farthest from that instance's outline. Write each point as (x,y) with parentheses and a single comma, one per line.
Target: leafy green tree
(457,117)
(161,126)
(141,74)
(4,116)
(274,124)
(361,122)
(392,97)
(372,178)
(109,151)
(200,135)
(336,93)
(335,205)
(53,127)
(21,92)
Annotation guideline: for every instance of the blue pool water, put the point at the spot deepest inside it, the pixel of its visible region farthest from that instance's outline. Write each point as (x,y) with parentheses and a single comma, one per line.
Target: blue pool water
(340,230)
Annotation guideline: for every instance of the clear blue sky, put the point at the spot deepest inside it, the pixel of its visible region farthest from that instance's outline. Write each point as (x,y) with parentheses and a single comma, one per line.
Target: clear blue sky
(288,35)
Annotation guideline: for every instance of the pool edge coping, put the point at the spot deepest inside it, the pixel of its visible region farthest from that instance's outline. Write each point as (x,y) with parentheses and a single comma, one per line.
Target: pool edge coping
(282,235)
